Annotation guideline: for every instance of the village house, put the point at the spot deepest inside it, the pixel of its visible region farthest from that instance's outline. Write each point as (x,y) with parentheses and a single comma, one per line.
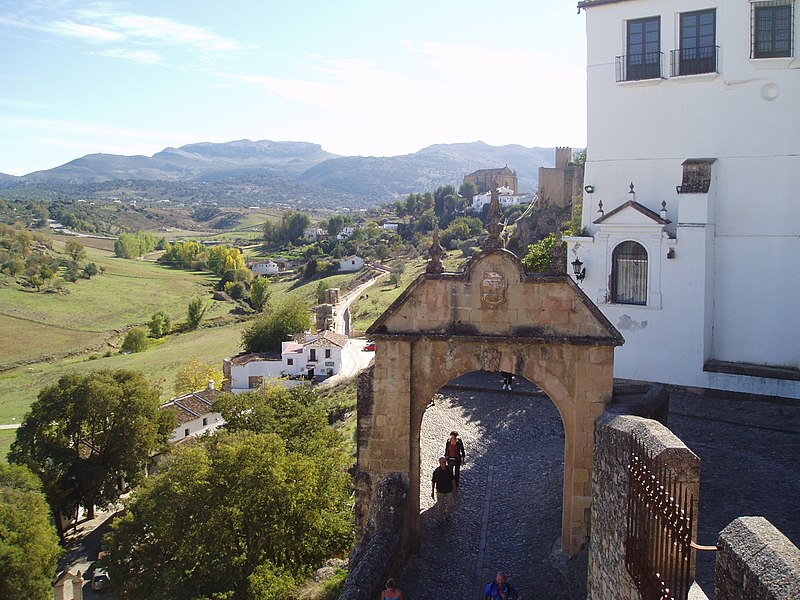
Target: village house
(263,267)
(506,196)
(318,356)
(313,233)
(351,263)
(194,412)
(346,232)
(690,185)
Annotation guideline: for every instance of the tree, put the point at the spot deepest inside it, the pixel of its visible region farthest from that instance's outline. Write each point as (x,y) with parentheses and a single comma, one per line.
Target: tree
(259,293)
(196,312)
(195,375)
(90,270)
(468,191)
(336,223)
(235,516)
(88,433)
(159,324)
(397,273)
(29,548)
(543,257)
(135,341)
(295,224)
(268,331)
(75,250)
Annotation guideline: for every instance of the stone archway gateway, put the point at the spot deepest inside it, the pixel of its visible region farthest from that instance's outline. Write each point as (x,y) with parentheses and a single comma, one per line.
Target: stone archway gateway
(492,316)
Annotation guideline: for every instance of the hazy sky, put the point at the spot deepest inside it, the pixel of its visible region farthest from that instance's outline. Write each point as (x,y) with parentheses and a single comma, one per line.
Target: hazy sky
(371,77)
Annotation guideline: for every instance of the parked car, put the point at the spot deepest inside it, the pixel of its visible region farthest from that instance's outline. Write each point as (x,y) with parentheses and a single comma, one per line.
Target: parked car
(100,580)
(369,347)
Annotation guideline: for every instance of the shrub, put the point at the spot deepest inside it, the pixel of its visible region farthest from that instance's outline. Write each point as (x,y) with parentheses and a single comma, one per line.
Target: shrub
(135,340)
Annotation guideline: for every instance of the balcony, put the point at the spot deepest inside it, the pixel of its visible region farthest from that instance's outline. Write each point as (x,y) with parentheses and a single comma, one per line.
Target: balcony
(637,67)
(694,61)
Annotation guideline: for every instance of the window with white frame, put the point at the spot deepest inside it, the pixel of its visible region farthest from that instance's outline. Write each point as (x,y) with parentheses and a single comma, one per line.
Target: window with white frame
(772,29)
(629,274)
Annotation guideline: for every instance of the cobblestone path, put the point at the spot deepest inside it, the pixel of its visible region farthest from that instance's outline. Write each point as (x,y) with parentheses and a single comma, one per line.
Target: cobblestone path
(509,511)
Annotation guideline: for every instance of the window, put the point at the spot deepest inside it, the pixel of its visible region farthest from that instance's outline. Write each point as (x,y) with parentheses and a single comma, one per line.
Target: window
(643,60)
(255,381)
(327,352)
(771,29)
(289,362)
(312,354)
(186,432)
(205,421)
(698,51)
(629,274)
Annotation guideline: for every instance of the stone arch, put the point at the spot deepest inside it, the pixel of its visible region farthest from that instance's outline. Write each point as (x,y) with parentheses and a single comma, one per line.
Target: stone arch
(491,316)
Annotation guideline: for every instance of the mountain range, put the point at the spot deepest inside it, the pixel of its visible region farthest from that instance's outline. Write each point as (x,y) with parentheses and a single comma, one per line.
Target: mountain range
(269,173)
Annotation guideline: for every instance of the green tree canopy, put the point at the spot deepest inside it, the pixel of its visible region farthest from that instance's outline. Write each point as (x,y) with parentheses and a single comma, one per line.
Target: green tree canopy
(135,341)
(159,324)
(195,313)
(195,375)
(338,222)
(87,433)
(259,293)
(29,548)
(234,516)
(75,250)
(266,333)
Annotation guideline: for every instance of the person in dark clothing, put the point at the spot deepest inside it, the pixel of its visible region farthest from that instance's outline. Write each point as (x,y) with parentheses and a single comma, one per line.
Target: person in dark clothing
(454,453)
(442,483)
(507,379)
(500,589)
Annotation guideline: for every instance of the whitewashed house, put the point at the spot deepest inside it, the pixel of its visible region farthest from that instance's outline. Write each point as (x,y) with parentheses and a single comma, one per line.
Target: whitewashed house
(313,233)
(692,175)
(264,267)
(506,196)
(351,263)
(319,355)
(346,232)
(195,415)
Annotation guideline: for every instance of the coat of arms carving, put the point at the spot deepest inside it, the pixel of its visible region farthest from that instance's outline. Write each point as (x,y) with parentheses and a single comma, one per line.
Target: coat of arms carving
(493,289)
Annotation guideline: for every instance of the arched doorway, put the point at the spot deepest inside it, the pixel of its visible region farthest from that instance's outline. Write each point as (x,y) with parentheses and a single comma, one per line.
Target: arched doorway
(490,317)
(508,513)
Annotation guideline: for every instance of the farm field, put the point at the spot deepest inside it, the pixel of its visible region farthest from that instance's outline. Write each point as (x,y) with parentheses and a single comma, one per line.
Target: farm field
(19,387)
(6,437)
(44,325)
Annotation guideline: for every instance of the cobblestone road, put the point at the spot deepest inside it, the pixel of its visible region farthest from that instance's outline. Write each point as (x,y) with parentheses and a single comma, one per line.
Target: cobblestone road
(509,510)
(509,514)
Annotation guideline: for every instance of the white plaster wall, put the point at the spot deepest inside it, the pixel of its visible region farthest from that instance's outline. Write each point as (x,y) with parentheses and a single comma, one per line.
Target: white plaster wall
(731,291)
(195,427)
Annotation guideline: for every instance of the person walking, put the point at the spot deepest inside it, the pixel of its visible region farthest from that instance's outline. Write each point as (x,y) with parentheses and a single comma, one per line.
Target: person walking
(507,379)
(391,592)
(500,589)
(454,452)
(442,482)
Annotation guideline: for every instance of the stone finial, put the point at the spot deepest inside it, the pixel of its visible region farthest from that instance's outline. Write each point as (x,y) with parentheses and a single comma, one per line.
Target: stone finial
(436,253)
(495,228)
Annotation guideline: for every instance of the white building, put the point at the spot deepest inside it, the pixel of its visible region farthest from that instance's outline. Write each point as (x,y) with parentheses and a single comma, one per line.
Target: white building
(692,173)
(351,263)
(195,416)
(506,196)
(313,233)
(345,233)
(264,267)
(320,355)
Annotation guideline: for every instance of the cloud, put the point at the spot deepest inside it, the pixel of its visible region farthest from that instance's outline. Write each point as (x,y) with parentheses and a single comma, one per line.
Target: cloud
(167,31)
(89,33)
(140,56)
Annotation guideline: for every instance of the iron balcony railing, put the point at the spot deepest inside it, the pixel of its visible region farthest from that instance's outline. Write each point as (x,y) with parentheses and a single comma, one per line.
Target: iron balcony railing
(636,67)
(694,61)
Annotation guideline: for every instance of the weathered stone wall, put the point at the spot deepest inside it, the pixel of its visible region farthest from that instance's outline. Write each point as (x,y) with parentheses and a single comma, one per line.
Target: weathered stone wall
(608,577)
(755,561)
(379,554)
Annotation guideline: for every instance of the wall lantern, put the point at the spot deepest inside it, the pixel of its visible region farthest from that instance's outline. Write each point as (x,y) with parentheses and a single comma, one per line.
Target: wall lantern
(578,269)
(589,189)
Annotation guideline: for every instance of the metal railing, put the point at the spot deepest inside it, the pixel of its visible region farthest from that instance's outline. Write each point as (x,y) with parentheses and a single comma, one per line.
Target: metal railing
(658,545)
(693,61)
(636,67)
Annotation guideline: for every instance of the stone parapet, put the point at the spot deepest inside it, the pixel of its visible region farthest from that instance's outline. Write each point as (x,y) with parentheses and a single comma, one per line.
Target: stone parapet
(756,561)
(608,577)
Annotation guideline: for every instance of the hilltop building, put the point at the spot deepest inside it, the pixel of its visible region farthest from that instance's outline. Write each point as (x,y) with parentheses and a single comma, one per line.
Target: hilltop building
(691,181)
(484,179)
(560,184)
(195,415)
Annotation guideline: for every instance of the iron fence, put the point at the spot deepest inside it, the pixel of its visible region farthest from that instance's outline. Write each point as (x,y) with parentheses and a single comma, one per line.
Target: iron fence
(658,546)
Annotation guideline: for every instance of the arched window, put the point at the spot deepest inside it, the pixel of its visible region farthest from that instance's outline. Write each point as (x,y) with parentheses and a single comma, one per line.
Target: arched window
(629,274)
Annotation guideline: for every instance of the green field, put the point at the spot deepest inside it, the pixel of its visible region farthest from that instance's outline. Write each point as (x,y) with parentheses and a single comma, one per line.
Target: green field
(19,387)
(46,325)
(6,437)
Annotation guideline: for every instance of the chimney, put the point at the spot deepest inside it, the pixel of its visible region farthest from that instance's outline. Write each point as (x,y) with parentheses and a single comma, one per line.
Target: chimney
(211,384)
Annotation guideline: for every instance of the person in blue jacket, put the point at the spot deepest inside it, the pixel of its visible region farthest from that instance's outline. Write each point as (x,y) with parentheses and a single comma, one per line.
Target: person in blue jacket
(500,589)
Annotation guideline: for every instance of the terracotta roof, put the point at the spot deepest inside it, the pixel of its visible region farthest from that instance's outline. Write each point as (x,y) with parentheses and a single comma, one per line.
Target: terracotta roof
(327,339)
(293,349)
(191,406)
(243,359)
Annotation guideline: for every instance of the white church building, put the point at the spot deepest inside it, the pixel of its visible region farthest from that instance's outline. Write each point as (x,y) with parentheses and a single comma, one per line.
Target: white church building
(691,211)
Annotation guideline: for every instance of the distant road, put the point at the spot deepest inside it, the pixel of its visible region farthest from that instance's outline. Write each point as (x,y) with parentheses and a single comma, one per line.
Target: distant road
(12,426)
